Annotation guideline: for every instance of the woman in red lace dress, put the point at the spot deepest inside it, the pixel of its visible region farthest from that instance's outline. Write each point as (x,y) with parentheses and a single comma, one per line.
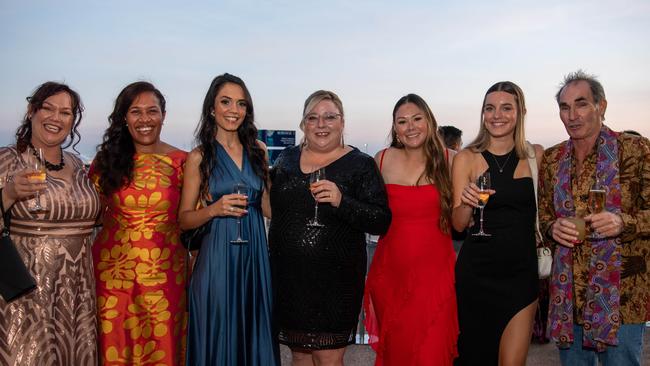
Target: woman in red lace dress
(410,300)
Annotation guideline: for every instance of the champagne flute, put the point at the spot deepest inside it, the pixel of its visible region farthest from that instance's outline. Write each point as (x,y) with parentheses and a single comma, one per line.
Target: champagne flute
(483,183)
(239,188)
(315,176)
(38,176)
(596,201)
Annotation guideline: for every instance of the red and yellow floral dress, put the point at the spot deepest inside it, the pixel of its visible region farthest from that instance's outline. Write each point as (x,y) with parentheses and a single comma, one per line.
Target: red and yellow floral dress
(139,266)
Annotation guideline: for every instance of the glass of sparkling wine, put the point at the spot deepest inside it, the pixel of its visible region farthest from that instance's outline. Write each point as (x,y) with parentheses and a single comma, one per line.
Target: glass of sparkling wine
(596,201)
(38,176)
(239,188)
(483,183)
(315,176)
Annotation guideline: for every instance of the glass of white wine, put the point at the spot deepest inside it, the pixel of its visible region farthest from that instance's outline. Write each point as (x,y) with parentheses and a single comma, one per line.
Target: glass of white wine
(39,175)
(239,188)
(315,176)
(596,201)
(483,183)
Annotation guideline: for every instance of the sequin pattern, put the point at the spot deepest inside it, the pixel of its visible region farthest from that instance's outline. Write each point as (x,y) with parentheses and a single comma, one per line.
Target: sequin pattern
(319,273)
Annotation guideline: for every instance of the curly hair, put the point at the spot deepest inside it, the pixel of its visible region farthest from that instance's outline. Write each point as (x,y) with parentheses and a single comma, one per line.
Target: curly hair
(114,160)
(35,103)
(436,167)
(247,132)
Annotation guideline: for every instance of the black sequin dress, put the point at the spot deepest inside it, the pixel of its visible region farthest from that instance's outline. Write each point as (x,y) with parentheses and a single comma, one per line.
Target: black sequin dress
(318,273)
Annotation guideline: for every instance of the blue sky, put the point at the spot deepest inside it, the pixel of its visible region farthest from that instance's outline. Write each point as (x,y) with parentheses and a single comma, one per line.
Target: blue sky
(369,52)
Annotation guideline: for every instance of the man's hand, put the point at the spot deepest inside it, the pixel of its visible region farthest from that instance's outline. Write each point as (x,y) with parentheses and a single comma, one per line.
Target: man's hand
(565,232)
(606,224)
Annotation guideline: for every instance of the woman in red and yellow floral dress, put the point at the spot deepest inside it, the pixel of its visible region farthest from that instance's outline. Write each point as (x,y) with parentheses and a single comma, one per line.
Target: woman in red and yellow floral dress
(139,261)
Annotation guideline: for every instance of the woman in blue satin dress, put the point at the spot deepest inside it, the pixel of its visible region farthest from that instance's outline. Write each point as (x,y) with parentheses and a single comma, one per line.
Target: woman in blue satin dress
(230,288)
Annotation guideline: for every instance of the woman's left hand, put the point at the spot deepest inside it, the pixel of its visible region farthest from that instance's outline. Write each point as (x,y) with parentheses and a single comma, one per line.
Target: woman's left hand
(327,191)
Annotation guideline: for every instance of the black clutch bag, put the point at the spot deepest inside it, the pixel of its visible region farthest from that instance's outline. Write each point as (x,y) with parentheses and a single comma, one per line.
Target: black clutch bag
(192,239)
(15,279)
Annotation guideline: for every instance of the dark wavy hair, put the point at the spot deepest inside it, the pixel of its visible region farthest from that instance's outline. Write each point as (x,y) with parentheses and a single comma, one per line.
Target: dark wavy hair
(207,129)
(35,103)
(114,159)
(436,169)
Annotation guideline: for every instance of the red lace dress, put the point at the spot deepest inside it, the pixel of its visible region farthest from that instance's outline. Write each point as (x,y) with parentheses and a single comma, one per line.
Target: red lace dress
(410,301)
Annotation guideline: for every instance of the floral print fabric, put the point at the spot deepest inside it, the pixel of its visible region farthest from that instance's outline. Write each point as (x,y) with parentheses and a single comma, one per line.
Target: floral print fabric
(139,267)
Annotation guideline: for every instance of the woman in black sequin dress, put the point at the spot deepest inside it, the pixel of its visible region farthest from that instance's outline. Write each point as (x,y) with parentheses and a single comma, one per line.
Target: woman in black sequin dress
(318,272)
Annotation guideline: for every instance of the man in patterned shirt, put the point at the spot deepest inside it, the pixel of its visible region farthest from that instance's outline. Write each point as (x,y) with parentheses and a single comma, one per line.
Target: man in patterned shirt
(600,285)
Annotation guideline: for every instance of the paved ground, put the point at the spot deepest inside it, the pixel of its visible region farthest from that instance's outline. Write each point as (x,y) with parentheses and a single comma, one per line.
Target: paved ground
(538,355)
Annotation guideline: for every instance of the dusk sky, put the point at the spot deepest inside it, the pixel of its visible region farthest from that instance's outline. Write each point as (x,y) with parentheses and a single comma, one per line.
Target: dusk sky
(369,52)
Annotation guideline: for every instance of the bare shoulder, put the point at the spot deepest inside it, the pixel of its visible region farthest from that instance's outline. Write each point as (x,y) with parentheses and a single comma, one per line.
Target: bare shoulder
(166,148)
(465,156)
(194,157)
(539,151)
(381,153)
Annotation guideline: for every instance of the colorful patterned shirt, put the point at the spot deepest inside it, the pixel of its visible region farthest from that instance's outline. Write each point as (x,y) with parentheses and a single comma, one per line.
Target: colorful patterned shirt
(634,170)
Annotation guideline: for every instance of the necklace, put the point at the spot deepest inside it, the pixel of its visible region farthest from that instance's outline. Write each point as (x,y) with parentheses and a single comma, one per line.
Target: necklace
(504,163)
(48,165)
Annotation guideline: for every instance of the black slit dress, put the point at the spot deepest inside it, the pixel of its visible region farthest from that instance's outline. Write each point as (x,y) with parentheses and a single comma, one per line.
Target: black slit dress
(496,277)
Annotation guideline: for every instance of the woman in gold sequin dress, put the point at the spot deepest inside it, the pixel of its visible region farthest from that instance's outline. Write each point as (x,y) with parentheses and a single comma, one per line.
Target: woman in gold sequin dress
(139,261)
(54,324)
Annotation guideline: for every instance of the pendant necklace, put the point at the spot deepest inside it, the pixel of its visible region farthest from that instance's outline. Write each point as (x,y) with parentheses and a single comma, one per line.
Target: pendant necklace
(504,163)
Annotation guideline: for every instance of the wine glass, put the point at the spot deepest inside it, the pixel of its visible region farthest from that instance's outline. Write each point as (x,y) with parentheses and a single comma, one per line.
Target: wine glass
(483,183)
(38,176)
(315,176)
(239,188)
(596,201)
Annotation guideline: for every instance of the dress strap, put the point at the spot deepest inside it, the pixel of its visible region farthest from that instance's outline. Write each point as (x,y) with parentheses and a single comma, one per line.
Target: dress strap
(381,159)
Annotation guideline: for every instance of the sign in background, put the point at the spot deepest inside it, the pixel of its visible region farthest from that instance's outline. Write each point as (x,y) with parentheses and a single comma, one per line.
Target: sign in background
(276,141)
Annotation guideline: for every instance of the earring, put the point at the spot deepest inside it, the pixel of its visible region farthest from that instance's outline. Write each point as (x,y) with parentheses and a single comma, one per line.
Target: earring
(212,113)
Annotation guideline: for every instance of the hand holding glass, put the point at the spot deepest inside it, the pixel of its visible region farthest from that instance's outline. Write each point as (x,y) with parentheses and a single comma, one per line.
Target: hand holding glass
(315,176)
(483,183)
(38,176)
(239,188)
(596,201)
(579,222)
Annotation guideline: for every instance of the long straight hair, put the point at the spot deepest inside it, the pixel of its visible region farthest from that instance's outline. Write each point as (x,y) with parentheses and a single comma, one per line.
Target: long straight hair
(436,169)
(482,140)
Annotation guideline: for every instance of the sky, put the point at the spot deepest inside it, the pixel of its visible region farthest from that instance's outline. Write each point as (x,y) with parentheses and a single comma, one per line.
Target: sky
(369,52)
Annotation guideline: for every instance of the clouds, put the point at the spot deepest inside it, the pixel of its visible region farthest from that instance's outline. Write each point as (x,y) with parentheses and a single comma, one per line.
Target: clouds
(369,52)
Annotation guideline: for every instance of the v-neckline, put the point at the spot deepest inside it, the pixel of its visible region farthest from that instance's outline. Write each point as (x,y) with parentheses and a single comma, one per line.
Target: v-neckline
(232,161)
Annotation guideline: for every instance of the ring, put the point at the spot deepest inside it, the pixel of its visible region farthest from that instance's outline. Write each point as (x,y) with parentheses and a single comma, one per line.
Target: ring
(232,209)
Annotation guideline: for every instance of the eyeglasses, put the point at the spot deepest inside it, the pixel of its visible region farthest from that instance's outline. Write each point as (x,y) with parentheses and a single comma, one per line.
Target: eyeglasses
(328,118)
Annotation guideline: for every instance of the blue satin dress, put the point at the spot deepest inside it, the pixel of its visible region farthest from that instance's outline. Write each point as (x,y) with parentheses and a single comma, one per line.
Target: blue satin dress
(230,296)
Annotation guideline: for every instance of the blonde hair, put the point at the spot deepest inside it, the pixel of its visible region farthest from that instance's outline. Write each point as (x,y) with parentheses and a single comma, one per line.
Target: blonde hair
(311,102)
(482,140)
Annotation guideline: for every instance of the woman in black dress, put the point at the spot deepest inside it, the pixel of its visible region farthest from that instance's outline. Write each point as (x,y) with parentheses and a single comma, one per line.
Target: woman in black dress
(496,276)
(318,272)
